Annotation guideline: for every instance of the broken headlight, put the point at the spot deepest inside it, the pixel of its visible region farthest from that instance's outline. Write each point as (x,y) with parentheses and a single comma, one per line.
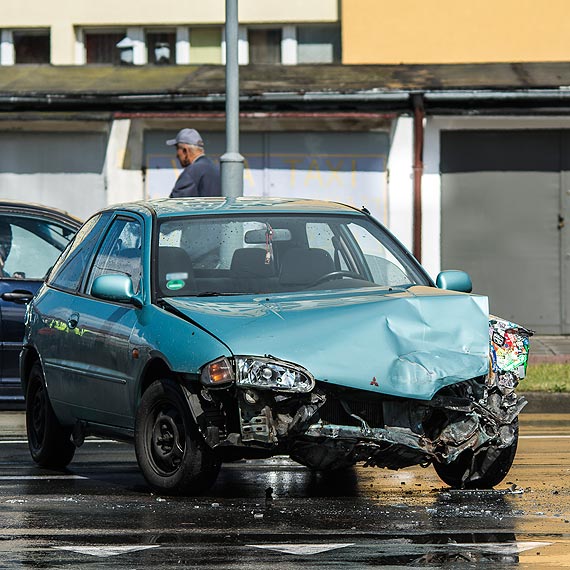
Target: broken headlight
(272,374)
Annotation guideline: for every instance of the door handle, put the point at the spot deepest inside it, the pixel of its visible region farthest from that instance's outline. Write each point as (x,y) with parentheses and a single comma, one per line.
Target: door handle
(73,320)
(561,222)
(20,296)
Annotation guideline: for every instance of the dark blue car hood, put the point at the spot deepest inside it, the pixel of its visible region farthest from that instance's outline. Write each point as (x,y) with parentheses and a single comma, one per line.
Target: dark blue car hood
(407,343)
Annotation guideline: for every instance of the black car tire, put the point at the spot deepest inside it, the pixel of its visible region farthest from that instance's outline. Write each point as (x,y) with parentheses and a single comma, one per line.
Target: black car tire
(171,453)
(50,444)
(482,471)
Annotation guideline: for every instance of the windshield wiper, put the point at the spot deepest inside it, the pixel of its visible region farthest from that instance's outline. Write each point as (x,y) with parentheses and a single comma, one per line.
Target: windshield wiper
(214,294)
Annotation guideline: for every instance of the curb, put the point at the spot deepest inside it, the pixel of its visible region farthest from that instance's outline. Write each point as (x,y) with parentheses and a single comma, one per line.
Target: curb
(546,402)
(549,359)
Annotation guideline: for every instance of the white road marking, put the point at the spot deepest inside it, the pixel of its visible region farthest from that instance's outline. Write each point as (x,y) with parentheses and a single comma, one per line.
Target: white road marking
(302,549)
(500,547)
(22,441)
(530,545)
(105,551)
(504,548)
(38,477)
(544,436)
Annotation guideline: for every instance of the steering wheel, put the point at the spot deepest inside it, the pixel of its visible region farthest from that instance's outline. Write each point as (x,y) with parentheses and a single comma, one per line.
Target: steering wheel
(336,275)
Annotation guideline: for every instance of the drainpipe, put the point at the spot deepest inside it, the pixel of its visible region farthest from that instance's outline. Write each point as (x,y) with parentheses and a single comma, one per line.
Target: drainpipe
(419,115)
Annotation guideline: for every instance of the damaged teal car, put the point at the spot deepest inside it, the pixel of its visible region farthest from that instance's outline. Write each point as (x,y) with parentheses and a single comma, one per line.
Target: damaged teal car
(208,330)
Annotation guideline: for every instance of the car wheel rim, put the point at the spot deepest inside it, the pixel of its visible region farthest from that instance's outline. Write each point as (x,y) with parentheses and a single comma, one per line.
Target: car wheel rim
(167,440)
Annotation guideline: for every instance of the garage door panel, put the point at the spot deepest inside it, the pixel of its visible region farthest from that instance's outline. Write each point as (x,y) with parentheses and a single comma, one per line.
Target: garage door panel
(502,225)
(54,152)
(57,169)
(500,151)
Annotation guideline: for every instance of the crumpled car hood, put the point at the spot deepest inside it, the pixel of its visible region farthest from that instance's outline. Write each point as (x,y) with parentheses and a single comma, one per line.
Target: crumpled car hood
(407,343)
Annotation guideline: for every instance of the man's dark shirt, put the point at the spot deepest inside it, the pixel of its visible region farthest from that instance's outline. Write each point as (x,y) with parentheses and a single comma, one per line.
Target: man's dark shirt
(201,178)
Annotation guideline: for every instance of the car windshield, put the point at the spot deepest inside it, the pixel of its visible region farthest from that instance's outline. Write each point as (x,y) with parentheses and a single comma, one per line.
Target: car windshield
(261,254)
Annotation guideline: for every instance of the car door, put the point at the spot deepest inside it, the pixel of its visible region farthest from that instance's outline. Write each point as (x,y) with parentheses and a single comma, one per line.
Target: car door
(102,331)
(29,246)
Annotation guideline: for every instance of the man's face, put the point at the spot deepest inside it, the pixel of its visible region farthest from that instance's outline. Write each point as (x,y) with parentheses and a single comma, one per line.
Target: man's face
(183,155)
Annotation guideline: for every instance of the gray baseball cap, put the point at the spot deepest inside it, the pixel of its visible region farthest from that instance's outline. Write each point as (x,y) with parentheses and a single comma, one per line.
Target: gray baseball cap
(187,136)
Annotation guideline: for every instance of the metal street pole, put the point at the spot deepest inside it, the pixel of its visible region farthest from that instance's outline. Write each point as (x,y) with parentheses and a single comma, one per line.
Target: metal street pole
(232,161)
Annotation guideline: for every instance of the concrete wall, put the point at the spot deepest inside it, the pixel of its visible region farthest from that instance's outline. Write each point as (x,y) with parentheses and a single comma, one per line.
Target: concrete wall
(448,31)
(77,167)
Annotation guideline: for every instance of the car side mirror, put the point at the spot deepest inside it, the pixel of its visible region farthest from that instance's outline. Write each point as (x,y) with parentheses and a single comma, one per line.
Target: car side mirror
(117,288)
(454,280)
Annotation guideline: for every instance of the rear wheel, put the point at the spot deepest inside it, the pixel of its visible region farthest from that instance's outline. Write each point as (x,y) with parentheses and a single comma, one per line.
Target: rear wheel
(50,444)
(172,454)
(482,470)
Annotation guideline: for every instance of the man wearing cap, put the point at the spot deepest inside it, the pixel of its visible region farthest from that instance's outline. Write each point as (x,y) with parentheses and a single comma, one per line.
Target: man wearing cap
(200,176)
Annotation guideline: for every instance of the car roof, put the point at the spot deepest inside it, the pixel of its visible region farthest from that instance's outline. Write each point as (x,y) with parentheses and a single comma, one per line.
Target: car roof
(16,207)
(168,207)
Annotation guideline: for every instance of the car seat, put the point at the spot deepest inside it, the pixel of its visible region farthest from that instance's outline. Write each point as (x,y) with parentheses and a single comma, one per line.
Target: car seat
(301,267)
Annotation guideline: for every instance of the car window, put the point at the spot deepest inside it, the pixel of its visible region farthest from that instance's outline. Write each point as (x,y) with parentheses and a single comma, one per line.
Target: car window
(276,253)
(69,268)
(321,235)
(120,253)
(29,246)
(385,268)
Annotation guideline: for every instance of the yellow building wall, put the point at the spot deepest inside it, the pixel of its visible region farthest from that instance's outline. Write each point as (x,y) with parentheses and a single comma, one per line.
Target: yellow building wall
(64,16)
(455,31)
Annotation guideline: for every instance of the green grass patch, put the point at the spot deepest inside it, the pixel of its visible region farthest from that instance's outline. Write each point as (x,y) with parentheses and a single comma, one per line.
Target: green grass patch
(546,378)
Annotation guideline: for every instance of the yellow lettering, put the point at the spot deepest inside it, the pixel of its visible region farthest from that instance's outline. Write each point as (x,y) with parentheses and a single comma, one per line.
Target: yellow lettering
(314,172)
(335,170)
(292,162)
(247,174)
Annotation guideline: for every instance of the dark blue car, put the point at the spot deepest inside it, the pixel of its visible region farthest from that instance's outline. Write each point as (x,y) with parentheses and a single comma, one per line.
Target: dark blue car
(31,239)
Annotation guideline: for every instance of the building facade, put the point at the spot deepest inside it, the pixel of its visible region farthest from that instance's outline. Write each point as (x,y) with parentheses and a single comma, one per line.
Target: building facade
(447,31)
(64,32)
(466,163)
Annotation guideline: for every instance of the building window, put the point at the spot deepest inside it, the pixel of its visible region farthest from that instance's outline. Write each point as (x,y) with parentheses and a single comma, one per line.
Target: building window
(31,46)
(264,45)
(205,45)
(101,47)
(161,47)
(318,44)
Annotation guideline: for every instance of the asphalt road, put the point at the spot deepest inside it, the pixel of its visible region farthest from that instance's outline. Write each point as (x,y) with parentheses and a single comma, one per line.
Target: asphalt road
(276,514)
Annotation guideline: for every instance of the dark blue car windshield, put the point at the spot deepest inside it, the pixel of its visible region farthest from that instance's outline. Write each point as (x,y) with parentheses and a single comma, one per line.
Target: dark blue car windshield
(272,254)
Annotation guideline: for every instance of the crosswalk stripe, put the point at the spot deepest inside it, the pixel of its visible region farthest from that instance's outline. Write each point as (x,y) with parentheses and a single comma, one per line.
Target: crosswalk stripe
(106,551)
(302,549)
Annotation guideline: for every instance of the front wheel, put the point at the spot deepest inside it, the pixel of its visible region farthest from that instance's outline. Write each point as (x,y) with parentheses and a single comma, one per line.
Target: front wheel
(171,453)
(481,470)
(50,444)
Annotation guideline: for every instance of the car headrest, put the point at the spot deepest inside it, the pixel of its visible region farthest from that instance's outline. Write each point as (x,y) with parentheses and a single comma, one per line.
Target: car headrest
(303,266)
(250,262)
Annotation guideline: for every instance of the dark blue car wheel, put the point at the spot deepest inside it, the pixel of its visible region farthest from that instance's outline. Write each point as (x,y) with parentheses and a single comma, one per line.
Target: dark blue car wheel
(50,444)
(172,455)
(483,470)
